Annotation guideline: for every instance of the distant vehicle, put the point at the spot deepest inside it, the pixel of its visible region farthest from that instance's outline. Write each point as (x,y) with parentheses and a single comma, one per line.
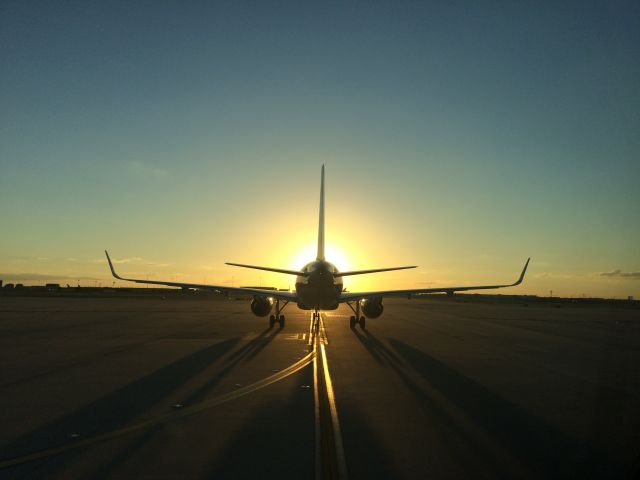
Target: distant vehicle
(318,286)
(8,286)
(52,287)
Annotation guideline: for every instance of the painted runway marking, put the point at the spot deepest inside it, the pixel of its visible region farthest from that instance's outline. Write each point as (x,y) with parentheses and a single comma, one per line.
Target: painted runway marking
(330,459)
(183,412)
(329,454)
(296,336)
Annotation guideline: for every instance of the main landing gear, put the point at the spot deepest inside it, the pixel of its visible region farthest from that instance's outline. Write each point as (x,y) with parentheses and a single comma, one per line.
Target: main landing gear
(278,317)
(357,318)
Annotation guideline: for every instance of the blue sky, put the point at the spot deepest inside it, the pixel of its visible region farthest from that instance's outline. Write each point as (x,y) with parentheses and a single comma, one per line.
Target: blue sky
(459,136)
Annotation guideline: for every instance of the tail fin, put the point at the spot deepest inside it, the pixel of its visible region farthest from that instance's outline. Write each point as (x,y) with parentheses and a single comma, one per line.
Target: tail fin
(320,255)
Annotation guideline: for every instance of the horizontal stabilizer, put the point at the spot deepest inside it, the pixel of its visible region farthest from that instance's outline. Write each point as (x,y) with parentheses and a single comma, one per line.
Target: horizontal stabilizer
(268,269)
(374,270)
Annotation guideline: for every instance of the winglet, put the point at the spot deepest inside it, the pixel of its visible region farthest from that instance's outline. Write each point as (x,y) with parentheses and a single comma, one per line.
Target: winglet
(111,267)
(524,270)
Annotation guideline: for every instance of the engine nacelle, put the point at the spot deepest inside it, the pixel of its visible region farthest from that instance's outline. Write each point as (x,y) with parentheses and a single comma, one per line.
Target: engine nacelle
(261,306)
(372,307)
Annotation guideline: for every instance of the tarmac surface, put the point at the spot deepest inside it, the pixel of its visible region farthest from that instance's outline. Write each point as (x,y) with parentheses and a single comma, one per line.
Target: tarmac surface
(174,388)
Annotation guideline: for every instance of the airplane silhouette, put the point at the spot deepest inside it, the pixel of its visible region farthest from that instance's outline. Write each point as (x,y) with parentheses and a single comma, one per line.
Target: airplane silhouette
(318,286)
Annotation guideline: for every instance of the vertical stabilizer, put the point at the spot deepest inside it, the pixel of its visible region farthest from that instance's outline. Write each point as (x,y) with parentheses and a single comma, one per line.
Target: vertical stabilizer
(321,219)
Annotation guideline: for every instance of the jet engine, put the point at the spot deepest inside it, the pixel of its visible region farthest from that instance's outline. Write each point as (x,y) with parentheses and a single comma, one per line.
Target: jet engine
(372,307)
(261,306)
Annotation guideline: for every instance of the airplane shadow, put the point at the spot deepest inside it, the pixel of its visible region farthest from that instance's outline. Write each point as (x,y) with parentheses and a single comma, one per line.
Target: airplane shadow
(254,346)
(377,349)
(541,448)
(120,407)
(247,352)
(279,439)
(112,411)
(451,432)
(276,441)
(366,455)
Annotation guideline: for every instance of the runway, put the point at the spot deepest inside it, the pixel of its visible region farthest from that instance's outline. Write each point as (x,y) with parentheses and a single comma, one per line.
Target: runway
(198,387)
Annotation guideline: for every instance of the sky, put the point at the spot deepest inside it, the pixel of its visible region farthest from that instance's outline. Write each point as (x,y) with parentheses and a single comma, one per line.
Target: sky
(462,137)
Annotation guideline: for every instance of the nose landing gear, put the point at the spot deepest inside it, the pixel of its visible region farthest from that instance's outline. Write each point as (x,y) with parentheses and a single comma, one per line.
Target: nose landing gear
(278,317)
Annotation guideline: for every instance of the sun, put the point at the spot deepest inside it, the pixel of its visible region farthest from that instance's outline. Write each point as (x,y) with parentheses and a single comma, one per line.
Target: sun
(333,254)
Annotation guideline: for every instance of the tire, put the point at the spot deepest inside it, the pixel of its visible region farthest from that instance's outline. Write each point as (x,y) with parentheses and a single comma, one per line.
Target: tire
(363,322)
(352,322)
(272,320)
(281,321)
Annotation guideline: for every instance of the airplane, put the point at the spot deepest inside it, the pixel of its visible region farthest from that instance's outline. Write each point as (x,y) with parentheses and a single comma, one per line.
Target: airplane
(318,286)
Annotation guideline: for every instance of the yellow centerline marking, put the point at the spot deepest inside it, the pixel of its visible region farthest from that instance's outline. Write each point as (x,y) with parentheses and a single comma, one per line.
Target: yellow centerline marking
(317,336)
(312,334)
(329,454)
(316,409)
(342,465)
(323,333)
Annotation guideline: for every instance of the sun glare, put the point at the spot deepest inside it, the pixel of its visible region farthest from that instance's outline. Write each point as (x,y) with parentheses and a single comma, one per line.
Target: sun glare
(332,254)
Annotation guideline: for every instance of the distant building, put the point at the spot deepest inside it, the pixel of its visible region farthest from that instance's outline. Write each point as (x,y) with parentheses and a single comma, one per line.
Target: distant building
(52,287)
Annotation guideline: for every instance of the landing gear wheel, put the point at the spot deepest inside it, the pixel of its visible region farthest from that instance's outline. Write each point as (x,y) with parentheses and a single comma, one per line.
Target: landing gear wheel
(272,321)
(281,321)
(352,322)
(363,322)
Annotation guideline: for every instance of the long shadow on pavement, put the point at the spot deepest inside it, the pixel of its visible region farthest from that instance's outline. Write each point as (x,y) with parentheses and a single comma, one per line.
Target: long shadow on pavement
(113,410)
(255,346)
(451,432)
(277,440)
(365,455)
(544,449)
(246,352)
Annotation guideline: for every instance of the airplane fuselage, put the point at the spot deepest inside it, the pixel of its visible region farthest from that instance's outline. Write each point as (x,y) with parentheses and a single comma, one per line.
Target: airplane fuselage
(319,288)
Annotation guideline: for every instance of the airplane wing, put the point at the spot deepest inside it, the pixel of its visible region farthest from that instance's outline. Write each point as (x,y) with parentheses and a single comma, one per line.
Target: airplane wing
(214,288)
(352,296)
